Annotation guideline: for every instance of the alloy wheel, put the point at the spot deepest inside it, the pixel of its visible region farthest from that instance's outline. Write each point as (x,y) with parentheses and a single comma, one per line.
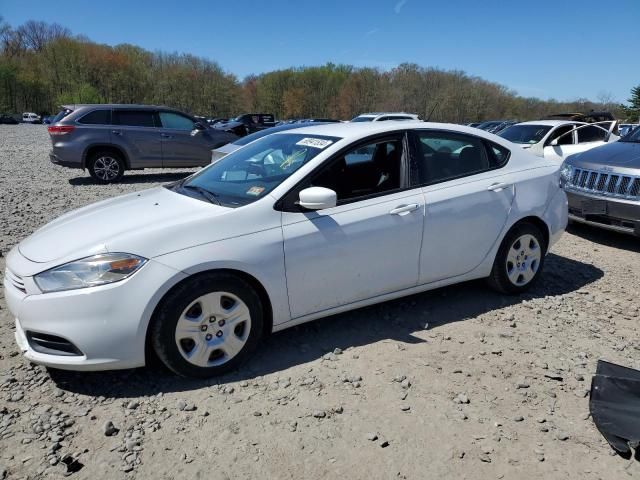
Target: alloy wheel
(106,168)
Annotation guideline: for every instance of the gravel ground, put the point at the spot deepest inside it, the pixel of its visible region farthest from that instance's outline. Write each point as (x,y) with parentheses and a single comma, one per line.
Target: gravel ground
(455,383)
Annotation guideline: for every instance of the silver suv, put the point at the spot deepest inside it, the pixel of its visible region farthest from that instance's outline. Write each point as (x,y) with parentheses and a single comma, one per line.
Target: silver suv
(603,185)
(109,139)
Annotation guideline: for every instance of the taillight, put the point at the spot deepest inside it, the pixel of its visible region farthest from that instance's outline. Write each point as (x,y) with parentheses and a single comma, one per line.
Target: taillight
(60,129)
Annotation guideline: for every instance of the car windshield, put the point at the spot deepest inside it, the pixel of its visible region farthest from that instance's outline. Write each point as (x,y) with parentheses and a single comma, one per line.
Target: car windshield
(251,172)
(362,119)
(527,134)
(632,136)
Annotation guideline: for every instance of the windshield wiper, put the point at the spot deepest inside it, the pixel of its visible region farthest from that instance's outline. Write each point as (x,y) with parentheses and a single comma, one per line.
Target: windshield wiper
(210,196)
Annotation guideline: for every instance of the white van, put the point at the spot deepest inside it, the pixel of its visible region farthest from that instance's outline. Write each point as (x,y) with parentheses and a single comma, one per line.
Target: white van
(30,117)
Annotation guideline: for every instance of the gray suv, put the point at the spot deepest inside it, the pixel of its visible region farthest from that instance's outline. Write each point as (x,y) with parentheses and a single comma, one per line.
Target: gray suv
(109,139)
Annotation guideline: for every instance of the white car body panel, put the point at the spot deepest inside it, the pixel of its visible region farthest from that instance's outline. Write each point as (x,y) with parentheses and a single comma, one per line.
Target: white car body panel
(558,153)
(310,264)
(352,252)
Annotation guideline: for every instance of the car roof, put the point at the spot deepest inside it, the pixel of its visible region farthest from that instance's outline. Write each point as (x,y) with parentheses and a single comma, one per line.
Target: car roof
(354,131)
(114,105)
(549,123)
(377,114)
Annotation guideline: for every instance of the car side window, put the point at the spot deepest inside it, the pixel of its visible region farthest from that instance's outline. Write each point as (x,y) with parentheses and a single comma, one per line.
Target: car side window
(176,121)
(559,133)
(367,170)
(97,117)
(134,118)
(442,156)
(591,134)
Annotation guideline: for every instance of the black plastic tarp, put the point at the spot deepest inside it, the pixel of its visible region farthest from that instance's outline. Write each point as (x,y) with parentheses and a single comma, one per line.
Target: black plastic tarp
(615,406)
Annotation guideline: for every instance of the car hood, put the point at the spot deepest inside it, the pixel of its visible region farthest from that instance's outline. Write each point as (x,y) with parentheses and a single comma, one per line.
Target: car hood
(616,154)
(116,224)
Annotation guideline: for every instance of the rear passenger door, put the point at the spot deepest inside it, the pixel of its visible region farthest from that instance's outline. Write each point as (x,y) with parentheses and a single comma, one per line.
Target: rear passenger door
(182,144)
(468,196)
(136,132)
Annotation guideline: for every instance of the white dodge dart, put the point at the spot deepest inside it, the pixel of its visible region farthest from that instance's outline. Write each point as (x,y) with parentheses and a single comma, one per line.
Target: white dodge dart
(292,227)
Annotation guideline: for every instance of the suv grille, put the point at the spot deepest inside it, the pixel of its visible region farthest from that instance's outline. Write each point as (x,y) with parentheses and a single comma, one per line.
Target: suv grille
(15,280)
(606,184)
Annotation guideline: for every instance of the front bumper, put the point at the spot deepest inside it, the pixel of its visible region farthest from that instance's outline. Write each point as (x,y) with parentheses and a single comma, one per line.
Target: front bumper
(610,213)
(106,324)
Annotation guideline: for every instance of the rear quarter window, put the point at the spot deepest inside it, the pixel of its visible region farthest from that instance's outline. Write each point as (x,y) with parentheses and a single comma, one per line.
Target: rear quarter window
(97,117)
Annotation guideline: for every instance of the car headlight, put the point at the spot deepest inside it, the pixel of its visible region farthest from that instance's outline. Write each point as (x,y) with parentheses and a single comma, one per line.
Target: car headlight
(89,272)
(566,172)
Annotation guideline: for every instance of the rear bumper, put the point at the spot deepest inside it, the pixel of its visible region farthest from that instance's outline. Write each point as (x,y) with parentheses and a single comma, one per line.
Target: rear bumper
(56,160)
(616,215)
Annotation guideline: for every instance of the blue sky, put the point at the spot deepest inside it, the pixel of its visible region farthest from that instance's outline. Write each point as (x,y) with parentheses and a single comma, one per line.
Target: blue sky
(549,49)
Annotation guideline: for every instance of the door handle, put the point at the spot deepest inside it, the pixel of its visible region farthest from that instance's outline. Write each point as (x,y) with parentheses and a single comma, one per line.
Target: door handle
(116,132)
(164,135)
(497,187)
(404,209)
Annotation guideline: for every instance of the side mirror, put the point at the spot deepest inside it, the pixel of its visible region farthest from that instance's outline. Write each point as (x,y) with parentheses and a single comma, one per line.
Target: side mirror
(317,198)
(554,142)
(199,126)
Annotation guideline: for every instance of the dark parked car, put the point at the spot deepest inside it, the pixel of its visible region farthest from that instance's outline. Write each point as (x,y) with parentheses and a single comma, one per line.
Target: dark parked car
(8,120)
(495,126)
(224,150)
(247,123)
(603,185)
(109,139)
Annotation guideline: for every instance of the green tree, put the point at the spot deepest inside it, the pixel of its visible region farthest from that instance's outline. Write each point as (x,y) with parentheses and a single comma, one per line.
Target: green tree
(633,109)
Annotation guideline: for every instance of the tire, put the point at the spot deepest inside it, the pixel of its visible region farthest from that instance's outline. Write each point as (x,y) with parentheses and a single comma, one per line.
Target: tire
(519,261)
(106,166)
(208,325)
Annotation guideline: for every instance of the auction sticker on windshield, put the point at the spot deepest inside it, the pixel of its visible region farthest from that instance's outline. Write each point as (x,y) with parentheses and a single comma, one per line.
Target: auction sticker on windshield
(255,191)
(315,143)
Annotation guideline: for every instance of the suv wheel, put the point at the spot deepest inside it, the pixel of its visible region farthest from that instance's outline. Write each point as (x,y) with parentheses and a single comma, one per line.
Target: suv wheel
(106,166)
(208,325)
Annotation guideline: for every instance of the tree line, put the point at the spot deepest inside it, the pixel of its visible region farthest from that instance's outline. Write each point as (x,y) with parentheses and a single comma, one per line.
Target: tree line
(43,66)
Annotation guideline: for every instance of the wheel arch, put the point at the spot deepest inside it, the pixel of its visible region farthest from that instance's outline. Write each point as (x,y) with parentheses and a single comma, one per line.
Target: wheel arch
(90,150)
(538,222)
(253,281)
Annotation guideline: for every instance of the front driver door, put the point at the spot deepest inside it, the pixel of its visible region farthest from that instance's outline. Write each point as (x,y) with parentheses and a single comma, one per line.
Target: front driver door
(566,143)
(468,198)
(365,246)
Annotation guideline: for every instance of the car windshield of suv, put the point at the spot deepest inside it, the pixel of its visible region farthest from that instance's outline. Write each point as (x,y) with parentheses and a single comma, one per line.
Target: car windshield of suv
(633,136)
(251,172)
(527,134)
(362,119)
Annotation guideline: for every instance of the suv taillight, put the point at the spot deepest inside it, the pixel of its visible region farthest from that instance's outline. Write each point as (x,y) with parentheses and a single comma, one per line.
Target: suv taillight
(60,129)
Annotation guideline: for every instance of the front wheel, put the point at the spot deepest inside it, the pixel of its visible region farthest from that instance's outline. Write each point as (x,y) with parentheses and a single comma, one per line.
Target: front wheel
(208,325)
(519,260)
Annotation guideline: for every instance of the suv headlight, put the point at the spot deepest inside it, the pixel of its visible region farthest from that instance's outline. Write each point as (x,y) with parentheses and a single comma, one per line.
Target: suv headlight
(566,172)
(89,272)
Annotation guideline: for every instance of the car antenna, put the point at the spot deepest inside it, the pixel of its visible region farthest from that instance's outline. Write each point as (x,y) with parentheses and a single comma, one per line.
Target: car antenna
(431,112)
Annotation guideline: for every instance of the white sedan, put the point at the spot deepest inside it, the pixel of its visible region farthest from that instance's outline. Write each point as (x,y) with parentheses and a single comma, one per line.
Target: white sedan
(555,140)
(290,228)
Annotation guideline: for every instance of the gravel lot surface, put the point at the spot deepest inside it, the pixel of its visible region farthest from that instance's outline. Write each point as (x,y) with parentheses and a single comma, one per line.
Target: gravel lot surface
(456,383)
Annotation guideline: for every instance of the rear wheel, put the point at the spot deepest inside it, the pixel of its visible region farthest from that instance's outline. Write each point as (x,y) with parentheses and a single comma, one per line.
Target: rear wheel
(106,166)
(208,325)
(519,261)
